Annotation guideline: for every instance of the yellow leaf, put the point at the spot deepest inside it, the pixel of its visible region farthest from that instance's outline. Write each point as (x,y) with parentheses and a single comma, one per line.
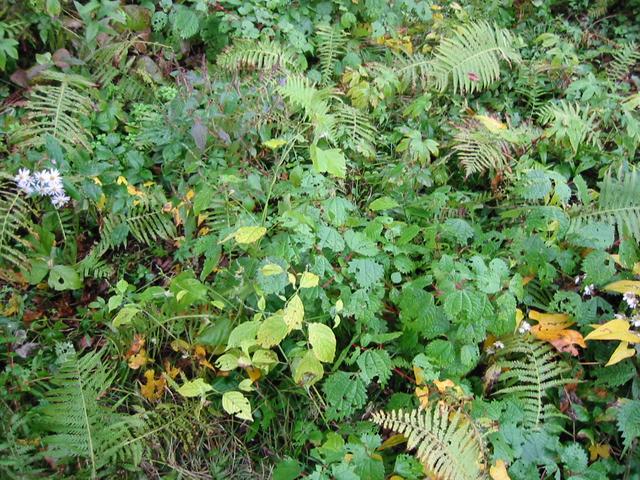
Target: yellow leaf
(190,194)
(102,201)
(418,373)
(614,330)
(443,385)
(271,269)
(602,450)
(274,143)
(138,360)
(550,325)
(294,314)
(245,235)
(392,441)
(292,279)
(423,396)
(96,180)
(254,373)
(624,286)
(623,351)
(134,191)
(519,318)
(153,388)
(499,471)
(13,305)
(309,280)
(491,124)
(122,181)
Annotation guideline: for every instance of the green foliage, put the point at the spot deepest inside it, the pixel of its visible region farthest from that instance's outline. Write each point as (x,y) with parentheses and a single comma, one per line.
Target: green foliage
(445,440)
(15,214)
(79,425)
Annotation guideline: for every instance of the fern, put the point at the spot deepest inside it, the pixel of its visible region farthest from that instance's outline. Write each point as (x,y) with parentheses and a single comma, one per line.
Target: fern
(470,60)
(529,369)
(624,59)
(248,55)
(146,222)
(331,43)
(479,150)
(14,222)
(355,126)
(618,205)
(57,109)
(570,122)
(413,69)
(80,426)
(446,440)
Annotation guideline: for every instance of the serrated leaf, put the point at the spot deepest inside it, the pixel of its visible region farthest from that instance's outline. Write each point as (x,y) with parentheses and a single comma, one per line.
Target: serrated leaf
(367,272)
(375,363)
(330,161)
(323,342)
(235,403)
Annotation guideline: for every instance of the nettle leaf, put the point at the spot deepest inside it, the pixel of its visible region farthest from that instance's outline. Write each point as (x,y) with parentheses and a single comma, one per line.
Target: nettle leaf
(344,393)
(330,238)
(235,403)
(368,273)
(375,363)
(323,342)
(462,301)
(598,267)
(360,243)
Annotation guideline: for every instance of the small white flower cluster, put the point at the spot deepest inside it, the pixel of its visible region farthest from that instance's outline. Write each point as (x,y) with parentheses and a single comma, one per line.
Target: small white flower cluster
(495,347)
(44,183)
(524,327)
(631,299)
(589,290)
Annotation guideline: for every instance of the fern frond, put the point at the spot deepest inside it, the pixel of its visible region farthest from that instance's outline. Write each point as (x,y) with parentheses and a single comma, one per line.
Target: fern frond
(15,221)
(618,205)
(79,425)
(470,59)
(354,124)
(624,58)
(413,69)
(110,61)
(57,109)
(479,150)
(446,441)
(529,369)
(570,122)
(264,55)
(331,42)
(146,222)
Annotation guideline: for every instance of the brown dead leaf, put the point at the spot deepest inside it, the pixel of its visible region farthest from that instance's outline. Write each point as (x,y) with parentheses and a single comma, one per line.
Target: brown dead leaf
(138,360)
(567,341)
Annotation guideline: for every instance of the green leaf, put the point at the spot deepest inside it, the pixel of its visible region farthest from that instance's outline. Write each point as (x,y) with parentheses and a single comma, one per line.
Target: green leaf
(309,280)
(272,331)
(235,403)
(194,388)
(344,394)
(367,272)
(323,342)
(375,363)
(63,277)
(308,370)
(125,315)
(245,235)
(244,335)
(383,203)
(330,161)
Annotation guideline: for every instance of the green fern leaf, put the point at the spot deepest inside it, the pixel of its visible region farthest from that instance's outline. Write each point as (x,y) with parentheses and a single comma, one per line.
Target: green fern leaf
(331,43)
(264,55)
(529,369)
(57,109)
(15,221)
(470,59)
(81,427)
(446,440)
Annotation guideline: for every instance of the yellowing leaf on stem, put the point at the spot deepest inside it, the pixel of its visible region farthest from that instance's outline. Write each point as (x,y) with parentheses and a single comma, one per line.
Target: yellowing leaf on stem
(323,342)
(271,269)
(601,450)
(138,360)
(422,393)
(235,403)
(194,388)
(246,235)
(309,280)
(294,314)
(392,441)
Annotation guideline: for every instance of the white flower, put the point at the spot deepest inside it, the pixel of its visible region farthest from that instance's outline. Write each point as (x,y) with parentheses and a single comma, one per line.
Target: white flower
(631,299)
(619,316)
(60,200)
(589,290)
(524,327)
(578,279)
(24,180)
(498,345)
(635,321)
